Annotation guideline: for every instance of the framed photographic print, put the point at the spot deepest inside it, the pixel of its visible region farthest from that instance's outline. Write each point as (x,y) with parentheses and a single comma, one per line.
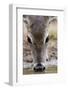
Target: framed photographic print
(36,45)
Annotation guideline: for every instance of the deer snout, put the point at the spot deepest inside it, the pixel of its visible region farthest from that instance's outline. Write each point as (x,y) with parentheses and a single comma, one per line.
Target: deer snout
(39,68)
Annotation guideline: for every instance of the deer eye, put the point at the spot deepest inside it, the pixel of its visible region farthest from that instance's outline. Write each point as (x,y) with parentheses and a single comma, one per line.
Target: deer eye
(29,40)
(47,39)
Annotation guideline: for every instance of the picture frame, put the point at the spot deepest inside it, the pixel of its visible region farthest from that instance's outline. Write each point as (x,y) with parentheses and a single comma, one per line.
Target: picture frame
(15,46)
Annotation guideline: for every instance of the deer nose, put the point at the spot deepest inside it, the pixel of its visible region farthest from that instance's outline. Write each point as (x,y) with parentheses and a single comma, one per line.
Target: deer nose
(39,68)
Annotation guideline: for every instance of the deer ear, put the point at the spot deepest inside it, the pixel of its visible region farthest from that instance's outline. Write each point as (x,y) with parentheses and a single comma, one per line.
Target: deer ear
(46,18)
(25,19)
(52,19)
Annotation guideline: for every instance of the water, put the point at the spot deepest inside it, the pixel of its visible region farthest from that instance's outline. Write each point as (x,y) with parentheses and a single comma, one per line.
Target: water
(51,68)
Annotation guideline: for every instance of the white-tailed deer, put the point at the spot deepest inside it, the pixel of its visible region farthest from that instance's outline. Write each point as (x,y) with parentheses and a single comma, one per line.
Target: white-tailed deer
(37,36)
